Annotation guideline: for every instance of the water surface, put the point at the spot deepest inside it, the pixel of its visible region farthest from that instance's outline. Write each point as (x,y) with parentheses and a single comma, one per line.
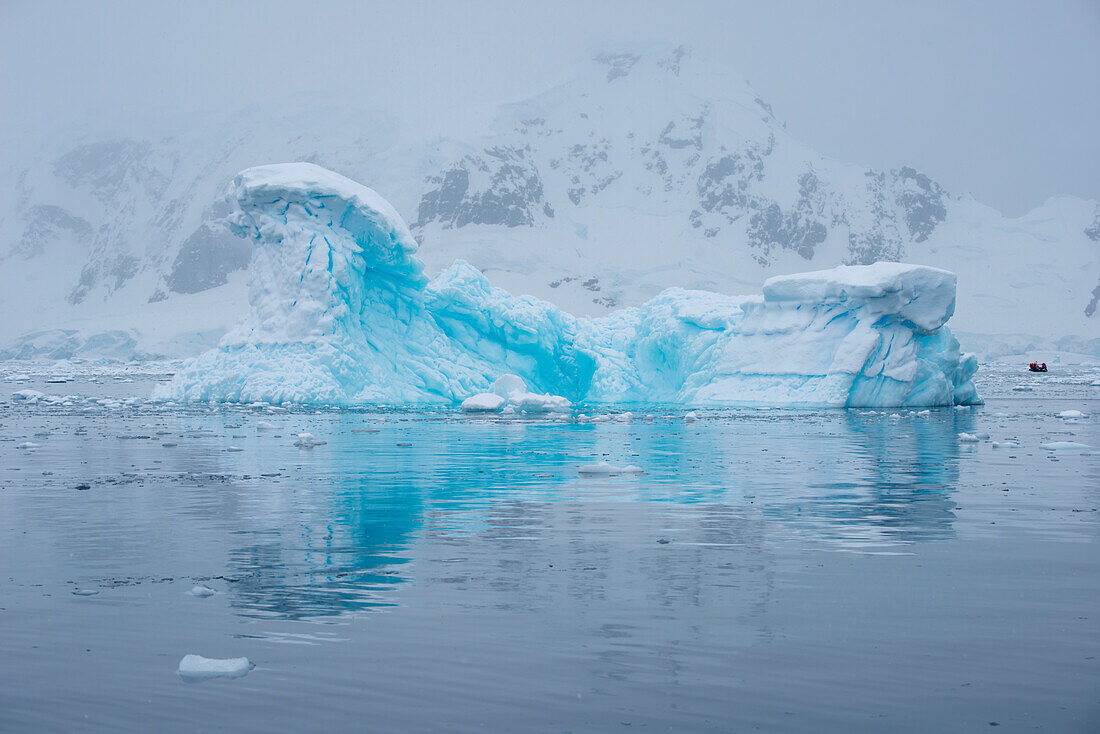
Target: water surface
(778,570)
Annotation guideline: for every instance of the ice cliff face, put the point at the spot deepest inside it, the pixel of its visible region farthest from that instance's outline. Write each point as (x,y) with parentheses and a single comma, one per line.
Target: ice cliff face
(342,313)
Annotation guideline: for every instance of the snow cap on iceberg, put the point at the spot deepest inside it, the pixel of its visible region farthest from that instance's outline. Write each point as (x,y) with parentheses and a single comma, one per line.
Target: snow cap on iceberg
(922,295)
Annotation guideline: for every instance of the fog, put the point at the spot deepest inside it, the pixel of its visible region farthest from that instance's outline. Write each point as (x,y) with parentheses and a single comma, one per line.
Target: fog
(996,98)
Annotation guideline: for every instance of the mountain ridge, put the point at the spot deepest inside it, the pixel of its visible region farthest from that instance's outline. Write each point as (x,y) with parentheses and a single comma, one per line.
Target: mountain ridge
(632,176)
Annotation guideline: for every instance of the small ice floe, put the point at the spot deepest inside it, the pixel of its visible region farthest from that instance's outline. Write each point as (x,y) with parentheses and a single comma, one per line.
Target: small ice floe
(691,416)
(234,448)
(196,667)
(968,438)
(605,469)
(625,416)
(202,591)
(307,441)
(85,592)
(510,391)
(1064,446)
(486,401)
(22,377)
(1072,415)
(27,396)
(26,445)
(265,426)
(1005,445)
(1023,388)
(924,413)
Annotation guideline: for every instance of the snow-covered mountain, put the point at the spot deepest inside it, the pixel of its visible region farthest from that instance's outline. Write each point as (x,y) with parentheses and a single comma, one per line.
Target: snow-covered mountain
(643,171)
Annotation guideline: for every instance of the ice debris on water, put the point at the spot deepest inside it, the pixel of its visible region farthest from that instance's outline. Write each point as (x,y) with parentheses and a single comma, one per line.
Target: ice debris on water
(342,313)
(968,438)
(1063,446)
(1072,414)
(27,445)
(27,396)
(202,591)
(511,391)
(605,468)
(196,667)
(307,441)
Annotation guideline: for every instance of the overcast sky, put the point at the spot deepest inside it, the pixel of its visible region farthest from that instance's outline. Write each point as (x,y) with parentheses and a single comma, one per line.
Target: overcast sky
(1001,99)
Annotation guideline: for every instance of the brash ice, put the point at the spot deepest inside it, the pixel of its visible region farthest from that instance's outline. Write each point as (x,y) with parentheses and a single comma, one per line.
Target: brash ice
(342,313)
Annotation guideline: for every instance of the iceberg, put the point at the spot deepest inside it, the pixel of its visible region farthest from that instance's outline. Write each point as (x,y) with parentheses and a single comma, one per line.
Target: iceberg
(342,313)
(510,391)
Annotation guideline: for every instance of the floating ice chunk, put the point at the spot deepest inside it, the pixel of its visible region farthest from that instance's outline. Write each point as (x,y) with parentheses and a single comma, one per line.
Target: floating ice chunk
(604,468)
(510,391)
(968,438)
(307,441)
(1005,445)
(1063,446)
(202,591)
(27,396)
(27,445)
(691,416)
(265,426)
(233,449)
(196,667)
(530,402)
(1072,414)
(341,313)
(1023,388)
(485,401)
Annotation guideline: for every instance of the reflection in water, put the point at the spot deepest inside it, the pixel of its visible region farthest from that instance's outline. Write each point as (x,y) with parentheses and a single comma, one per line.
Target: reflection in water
(351,516)
(897,486)
(340,555)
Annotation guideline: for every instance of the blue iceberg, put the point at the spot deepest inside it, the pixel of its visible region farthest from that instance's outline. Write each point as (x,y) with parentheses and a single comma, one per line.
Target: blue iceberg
(341,313)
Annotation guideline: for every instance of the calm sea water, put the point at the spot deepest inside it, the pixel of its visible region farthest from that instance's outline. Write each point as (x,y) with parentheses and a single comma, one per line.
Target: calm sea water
(770,570)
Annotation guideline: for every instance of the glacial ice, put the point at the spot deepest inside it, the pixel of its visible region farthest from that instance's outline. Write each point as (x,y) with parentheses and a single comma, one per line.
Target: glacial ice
(342,313)
(510,392)
(196,667)
(608,469)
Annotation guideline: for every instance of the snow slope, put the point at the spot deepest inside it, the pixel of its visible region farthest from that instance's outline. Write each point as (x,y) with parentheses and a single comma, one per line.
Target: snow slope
(341,313)
(643,170)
